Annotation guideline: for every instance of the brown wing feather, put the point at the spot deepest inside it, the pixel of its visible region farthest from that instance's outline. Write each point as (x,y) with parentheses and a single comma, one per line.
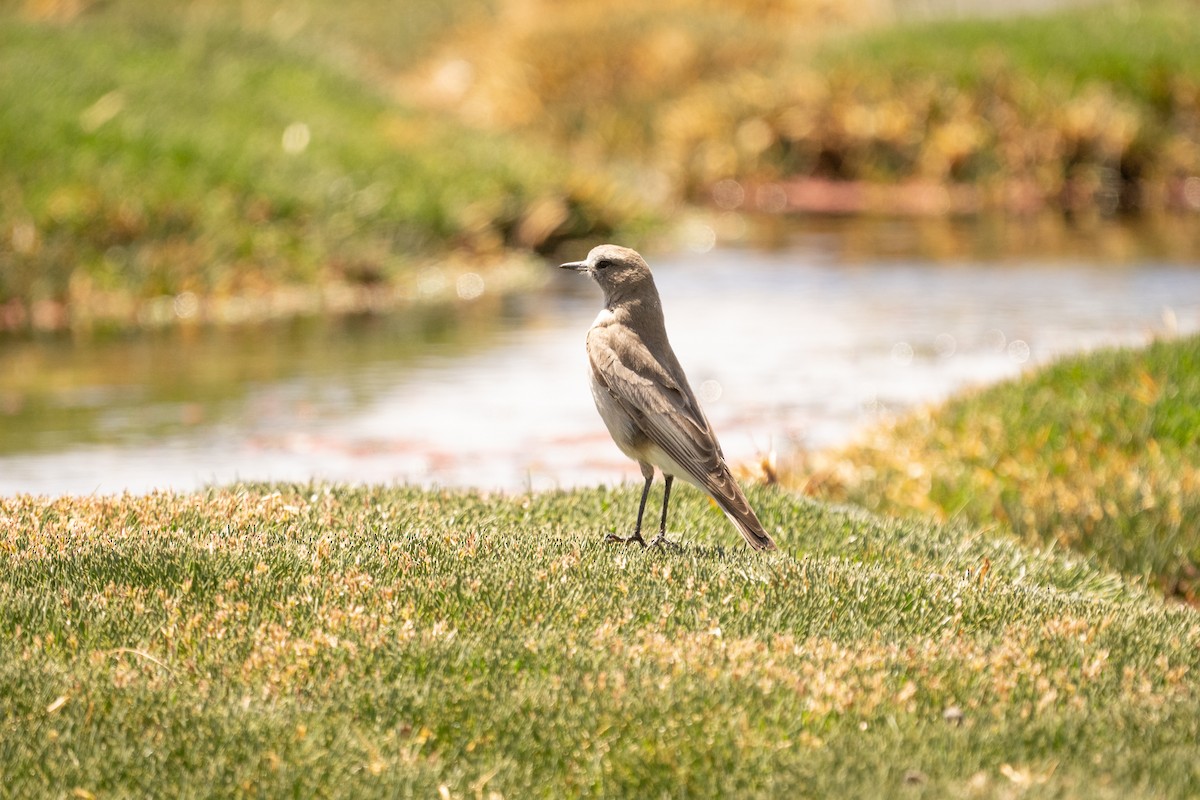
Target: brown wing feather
(666,413)
(662,405)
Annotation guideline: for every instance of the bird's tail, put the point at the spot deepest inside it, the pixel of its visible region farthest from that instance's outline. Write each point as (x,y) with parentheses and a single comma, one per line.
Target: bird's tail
(732,501)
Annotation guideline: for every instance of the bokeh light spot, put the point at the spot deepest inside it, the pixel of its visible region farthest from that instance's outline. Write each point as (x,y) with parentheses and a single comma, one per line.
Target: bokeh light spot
(1018,351)
(728,194)
(296,138)
(771,198)
(187,305)
(469,286)
(1191,192)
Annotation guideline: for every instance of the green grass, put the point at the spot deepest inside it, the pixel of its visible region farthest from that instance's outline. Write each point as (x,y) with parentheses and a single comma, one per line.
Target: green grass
(361,35)
(1139,47)
(1099,452)
(323,641)
(145,160)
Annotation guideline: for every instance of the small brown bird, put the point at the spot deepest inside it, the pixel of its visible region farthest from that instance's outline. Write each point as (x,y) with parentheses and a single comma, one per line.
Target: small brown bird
(644,397)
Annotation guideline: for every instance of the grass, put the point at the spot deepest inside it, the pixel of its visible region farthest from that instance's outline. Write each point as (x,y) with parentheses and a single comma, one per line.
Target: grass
(331,641)
(159,159)
(318,641)
(1097,453)
(1088,110)
(353,34)
(1140,47)
(229,150)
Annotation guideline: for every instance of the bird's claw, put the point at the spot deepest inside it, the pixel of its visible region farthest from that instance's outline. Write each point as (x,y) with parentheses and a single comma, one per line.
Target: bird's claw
(662,541)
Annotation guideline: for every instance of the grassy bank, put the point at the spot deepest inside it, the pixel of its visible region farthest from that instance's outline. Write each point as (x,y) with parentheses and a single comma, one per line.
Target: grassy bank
(316,158)
(158,158)
(1097,453)
(365,642)
(1089,109)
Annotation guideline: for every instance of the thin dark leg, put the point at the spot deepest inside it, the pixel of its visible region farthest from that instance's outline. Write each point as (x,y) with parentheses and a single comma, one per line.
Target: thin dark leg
(662,526)
(662,539)
(637,531)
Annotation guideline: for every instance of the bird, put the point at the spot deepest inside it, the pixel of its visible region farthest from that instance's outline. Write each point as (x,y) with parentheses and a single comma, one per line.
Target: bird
(645,400)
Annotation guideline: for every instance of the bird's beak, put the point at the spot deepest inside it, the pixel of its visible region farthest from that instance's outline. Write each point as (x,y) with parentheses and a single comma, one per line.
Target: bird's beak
(576,266)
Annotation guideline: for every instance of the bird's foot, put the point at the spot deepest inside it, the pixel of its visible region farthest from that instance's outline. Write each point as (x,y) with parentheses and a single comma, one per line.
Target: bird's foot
(635,538)
(662,541)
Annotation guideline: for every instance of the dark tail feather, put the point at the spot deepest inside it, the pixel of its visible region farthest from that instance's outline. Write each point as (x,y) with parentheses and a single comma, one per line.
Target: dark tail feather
(751,529)
(731,500)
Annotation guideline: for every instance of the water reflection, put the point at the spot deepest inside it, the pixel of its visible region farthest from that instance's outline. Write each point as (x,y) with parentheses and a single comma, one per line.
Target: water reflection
(793,347)
(58,393)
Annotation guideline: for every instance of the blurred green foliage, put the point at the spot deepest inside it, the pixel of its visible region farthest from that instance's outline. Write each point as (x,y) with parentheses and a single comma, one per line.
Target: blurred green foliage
(144,155)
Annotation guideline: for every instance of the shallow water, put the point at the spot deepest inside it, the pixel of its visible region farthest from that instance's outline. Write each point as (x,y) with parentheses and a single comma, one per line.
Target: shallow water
(793,347)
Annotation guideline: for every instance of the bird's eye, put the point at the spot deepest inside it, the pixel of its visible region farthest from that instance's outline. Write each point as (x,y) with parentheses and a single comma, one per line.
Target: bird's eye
(603,263)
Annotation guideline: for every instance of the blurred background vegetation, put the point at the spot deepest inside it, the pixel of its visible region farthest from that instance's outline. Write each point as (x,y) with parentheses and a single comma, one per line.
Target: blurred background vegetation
(224,151)
(259,158)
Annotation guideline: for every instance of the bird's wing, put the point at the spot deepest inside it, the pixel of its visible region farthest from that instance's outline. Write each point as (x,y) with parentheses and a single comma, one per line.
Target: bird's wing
(658,400)
(661,404)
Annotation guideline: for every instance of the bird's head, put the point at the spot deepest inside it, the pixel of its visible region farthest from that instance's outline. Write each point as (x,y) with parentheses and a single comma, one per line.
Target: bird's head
(621,272)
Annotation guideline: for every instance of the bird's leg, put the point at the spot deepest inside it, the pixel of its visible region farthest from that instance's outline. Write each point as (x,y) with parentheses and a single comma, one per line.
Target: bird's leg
(661,539)
(636,538)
